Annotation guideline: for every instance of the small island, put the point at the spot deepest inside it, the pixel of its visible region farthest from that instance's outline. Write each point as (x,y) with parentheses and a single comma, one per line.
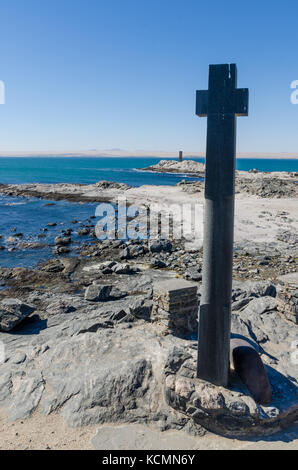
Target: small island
(174,166)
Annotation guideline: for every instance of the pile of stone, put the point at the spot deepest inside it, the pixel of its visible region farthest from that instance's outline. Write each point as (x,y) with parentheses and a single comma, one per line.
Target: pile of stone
(287,296)
(175,305)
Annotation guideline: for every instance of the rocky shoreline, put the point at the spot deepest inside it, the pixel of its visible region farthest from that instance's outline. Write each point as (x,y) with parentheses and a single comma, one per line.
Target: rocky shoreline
(96,300)
(58,320)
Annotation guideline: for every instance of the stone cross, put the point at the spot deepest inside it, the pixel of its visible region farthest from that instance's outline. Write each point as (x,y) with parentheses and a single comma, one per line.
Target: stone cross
(221,103)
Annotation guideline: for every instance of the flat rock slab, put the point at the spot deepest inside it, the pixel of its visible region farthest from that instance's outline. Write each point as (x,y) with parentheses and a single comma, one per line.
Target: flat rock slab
(174,287)
(227,411)
(291,278)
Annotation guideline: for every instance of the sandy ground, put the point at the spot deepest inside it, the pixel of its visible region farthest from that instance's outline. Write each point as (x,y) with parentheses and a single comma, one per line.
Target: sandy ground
(43,432)
(51,433)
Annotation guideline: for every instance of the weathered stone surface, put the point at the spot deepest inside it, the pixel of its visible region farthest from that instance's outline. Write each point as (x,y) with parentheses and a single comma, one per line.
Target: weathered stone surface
(259,306)
(287,296)
(12,312)
(73,343)
(97,292)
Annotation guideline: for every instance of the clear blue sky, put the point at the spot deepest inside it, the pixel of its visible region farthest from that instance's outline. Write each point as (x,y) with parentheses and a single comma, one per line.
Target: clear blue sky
(84,74)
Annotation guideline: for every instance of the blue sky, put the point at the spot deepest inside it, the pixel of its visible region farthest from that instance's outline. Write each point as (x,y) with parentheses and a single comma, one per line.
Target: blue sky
(123,73)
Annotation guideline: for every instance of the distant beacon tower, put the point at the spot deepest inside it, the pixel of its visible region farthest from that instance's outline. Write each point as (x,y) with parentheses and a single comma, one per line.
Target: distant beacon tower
(180,155)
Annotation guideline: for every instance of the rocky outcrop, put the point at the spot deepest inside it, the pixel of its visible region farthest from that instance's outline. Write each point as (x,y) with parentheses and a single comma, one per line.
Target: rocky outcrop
(174,166)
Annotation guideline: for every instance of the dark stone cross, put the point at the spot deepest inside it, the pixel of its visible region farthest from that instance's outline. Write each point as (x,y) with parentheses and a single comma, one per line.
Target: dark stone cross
(221,104)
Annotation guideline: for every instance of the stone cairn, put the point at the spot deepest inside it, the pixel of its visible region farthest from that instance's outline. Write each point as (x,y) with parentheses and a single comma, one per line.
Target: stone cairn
(175,305)
(287,300)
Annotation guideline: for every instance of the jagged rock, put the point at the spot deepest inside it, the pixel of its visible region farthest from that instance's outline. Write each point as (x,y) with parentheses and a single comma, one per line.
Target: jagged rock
(125,254)
(158,263)
(258,306)
(160,245)
(12,312)
(253,289)
(97,292)
(141,308)
(52,266)
(193,273)
(121,268)
(136,250)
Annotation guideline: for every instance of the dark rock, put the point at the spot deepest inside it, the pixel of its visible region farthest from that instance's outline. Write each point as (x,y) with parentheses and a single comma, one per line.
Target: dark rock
(62,240)
(193,273)
(83,231)
(160,245)
(97,292)
(53,266)
(12,312)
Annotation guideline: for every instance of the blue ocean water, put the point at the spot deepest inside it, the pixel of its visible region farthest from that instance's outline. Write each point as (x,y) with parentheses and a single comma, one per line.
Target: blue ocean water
(30,215)
(126,170)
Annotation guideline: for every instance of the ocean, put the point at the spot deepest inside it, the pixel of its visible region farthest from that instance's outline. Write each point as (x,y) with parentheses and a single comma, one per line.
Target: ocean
(125,170)
(30,215)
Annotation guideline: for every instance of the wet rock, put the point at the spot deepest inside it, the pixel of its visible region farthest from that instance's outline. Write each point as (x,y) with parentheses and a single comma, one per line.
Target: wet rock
(62,240)
(32,245)
(61,250)
(51,224)
(12,312)
(53,266)
(83,231)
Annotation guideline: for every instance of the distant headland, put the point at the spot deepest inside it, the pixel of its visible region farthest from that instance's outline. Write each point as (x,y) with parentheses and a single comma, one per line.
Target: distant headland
(117,152)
